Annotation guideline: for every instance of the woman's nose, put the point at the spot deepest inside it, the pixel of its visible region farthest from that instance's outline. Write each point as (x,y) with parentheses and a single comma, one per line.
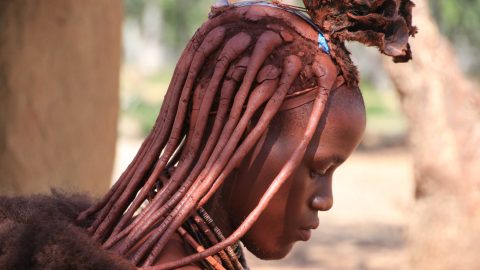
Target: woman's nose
(323,197)
(322,202)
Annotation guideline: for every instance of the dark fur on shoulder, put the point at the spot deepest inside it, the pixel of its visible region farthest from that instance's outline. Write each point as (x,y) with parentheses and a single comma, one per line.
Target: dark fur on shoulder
(39,232)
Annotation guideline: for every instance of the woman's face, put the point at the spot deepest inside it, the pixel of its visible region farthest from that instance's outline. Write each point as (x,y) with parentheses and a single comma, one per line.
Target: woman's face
(292,213)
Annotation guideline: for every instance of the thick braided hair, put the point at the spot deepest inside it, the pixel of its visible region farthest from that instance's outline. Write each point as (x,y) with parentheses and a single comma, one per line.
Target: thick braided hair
(240,67)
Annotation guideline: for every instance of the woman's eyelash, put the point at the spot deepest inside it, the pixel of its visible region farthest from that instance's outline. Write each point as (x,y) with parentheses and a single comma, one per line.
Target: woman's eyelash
(314,173)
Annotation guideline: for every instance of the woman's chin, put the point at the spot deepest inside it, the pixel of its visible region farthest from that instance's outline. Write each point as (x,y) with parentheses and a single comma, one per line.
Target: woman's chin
(276,252)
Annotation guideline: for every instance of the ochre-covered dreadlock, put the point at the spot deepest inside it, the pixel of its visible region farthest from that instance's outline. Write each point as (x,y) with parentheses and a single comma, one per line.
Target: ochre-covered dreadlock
(239,68)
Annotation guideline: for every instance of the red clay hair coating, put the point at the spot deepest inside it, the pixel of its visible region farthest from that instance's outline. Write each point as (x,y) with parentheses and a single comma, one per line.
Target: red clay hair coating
(240,66)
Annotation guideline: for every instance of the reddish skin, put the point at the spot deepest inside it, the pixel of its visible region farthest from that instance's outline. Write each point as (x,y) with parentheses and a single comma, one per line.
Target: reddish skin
(293,208)
(292,213)
(270,48)
(175,249)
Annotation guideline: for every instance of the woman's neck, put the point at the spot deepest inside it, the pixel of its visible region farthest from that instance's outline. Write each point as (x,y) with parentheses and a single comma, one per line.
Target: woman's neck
(217,209)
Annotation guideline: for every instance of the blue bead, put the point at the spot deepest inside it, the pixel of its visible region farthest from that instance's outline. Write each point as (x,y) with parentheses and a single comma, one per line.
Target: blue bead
(322,43)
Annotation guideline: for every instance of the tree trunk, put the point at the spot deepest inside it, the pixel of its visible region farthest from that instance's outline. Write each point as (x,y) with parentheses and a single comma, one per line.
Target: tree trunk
(59,73)
(442,108)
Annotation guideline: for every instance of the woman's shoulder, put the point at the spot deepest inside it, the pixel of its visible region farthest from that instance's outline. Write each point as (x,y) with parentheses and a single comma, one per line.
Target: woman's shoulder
(40,232)
(174,250)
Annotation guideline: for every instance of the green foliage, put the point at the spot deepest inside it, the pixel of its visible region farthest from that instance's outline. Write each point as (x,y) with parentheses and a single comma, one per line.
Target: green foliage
(458,18)
(383,111)
(143,112)
(181,18)
(134,8)
(141,96)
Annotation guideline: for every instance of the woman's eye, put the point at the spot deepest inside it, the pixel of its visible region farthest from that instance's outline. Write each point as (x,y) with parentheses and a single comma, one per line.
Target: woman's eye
(314,173)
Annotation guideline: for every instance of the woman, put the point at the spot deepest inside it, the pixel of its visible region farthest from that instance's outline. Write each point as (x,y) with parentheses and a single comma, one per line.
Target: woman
(263,106)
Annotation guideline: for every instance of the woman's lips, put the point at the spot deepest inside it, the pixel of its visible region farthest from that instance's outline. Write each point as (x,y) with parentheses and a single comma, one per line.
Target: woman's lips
(304,234)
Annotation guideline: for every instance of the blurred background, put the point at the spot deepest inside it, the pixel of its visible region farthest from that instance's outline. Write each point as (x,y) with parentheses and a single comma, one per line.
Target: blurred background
(81,84)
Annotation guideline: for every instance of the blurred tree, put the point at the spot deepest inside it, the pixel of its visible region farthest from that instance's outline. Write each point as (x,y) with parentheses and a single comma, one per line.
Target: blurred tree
(134,9)
(459,20)
(443,111)
(181,18)
(59,71)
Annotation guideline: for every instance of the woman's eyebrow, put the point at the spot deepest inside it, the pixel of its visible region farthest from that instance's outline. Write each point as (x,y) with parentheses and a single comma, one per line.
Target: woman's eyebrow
(330,159)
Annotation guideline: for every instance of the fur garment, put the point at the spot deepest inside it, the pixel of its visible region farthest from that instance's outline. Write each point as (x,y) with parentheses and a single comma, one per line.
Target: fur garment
(40,232)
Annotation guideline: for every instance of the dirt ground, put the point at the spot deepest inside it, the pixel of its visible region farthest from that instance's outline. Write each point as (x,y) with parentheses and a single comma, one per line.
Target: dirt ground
(366,228)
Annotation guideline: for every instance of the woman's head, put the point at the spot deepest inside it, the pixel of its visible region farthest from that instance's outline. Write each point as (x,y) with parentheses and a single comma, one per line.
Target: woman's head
(252,80)
(292,213)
